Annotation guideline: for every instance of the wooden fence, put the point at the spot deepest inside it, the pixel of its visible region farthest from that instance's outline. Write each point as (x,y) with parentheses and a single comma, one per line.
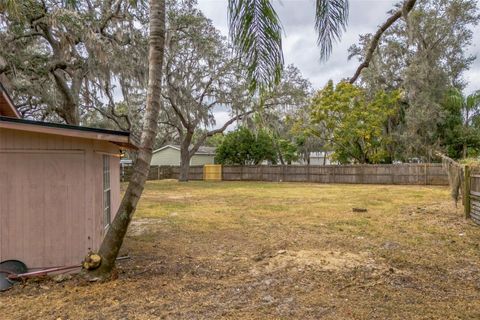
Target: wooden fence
(472,193)
(408,174)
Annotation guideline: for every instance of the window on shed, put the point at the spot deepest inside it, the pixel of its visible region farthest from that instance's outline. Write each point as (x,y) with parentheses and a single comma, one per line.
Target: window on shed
(106,192)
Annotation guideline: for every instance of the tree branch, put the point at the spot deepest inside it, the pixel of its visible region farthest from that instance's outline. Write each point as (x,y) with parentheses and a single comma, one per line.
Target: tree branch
(177,111)
(202,139)
(229,122)
(406,8)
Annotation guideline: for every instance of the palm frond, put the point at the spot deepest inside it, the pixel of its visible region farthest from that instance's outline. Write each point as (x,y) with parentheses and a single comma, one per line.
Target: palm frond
(455,98)
(256,32)
(331,20)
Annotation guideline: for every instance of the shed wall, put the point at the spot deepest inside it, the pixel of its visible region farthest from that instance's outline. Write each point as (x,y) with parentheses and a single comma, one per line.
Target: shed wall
(51,199)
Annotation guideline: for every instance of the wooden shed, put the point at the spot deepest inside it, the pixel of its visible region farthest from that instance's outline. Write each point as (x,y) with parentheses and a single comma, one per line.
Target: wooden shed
(59,188)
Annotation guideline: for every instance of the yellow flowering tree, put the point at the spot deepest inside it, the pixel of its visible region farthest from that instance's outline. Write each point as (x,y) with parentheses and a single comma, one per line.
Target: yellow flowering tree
(355,124)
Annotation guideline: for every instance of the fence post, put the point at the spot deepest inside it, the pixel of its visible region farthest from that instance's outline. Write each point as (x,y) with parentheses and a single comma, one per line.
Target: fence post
(426,174)
(392,173)
(466,191)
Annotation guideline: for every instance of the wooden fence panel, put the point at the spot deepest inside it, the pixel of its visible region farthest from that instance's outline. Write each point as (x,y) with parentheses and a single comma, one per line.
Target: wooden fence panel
(231,173)
(473,201)
(409,174)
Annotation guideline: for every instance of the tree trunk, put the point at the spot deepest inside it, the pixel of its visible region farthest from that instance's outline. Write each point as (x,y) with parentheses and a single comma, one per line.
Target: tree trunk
(279,152)
(118,228)
(185,156)
(184,166)
(70,114)
(464,150)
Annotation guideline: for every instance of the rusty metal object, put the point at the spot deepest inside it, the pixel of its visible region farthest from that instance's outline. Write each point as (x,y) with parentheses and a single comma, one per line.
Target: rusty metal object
(43,272)
(15,270)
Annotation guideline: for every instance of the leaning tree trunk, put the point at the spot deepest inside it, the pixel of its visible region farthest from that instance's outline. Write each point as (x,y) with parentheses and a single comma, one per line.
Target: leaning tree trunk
(114,238)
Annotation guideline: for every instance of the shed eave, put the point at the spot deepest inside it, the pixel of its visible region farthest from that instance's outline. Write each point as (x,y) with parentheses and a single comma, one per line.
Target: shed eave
(122,139)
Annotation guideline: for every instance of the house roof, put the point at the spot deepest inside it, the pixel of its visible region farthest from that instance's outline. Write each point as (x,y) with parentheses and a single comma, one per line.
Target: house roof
(121,138)
(210,151)
(7,108)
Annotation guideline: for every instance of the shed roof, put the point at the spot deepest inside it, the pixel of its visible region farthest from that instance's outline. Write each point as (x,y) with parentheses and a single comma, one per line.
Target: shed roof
(121,138)
(210,151)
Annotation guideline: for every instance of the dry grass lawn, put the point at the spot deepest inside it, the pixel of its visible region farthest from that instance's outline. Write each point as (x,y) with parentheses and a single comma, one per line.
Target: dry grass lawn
(237,250)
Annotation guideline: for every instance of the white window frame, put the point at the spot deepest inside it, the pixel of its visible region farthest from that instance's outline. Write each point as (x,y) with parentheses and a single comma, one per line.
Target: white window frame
(107,194)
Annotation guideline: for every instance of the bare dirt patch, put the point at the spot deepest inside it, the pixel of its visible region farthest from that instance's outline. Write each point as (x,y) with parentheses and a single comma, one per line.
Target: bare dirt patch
(139,227)
(324,260)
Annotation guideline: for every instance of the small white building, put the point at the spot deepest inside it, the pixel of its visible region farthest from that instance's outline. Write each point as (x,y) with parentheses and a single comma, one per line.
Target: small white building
(169,155)
(319,158)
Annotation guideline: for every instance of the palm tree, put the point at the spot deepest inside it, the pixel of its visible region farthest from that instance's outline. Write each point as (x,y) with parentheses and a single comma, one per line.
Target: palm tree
(469,107)
(116,233)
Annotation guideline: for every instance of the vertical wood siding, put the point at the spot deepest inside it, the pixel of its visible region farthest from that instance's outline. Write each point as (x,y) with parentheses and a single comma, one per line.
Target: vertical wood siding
(51,199)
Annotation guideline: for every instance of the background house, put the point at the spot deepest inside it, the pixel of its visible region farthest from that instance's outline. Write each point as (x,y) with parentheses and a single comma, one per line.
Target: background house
(59,188)
(319,158)
(169,155)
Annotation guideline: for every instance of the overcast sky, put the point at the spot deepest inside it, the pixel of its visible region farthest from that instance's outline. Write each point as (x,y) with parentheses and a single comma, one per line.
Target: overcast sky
(299,44)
